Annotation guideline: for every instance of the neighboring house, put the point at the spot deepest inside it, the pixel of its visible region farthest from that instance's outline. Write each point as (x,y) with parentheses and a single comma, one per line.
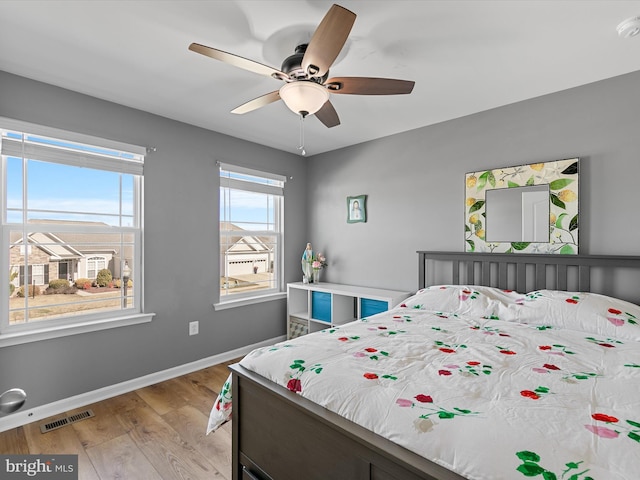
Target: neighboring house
(67,255)
(244,254)
(83,255)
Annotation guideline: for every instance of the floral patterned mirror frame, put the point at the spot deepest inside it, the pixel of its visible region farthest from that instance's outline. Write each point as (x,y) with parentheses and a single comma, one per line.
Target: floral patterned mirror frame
(562,178)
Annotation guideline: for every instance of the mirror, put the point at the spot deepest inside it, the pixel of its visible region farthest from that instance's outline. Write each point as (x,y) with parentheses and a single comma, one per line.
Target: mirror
(529,209)
(518,214)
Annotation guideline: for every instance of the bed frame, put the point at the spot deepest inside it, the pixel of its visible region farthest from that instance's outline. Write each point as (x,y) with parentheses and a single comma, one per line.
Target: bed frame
(278,435)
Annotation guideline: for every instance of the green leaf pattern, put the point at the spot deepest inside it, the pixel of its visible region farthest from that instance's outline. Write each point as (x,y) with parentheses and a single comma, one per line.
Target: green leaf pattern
(562,178)
(531,467)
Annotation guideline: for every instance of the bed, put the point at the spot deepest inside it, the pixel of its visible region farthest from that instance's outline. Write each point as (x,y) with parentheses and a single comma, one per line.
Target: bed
(512,369)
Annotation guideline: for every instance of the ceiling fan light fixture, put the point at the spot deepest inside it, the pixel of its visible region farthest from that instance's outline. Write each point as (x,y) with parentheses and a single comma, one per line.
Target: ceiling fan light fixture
(304,96)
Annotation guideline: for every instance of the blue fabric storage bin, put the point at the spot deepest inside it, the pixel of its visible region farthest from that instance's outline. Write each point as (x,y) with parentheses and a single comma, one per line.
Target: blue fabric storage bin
(321,306)
(370,307)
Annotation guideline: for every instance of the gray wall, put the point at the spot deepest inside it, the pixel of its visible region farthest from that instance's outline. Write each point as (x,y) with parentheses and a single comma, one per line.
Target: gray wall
(415,180)
(181,200)
(415,187)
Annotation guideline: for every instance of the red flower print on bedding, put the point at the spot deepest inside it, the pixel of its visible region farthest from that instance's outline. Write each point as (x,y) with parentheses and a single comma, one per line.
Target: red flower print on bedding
(375,376)
(631,428)
(294,384)
(530,394)
(448,347)
(569,378)
(556,349)
(467,294)
(505,350)
(573,300)
(603,417)
(348,339)
(423,398)
(371,353)
(618,317)
(424,402)
(384,331)
(471,369)
(535,394)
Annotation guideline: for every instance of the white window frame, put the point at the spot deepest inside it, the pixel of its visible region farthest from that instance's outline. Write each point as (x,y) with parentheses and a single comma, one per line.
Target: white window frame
(277,190)
(37,273)
(95,259)
(78,323)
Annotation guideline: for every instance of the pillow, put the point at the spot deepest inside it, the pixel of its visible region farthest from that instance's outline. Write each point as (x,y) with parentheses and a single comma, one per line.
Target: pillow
(221,411)
(592,313)
(475,300)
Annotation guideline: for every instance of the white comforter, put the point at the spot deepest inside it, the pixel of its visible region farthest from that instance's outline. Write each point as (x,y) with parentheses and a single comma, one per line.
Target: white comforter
(489,384)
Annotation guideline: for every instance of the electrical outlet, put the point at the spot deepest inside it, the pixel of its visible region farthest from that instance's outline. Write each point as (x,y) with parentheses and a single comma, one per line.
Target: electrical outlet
(193,328)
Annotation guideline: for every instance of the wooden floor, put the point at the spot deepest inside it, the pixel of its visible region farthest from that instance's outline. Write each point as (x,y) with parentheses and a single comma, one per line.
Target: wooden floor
(156,432)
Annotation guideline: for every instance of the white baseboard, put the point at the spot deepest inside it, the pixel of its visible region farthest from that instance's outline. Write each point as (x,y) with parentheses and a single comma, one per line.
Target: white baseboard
(35,414)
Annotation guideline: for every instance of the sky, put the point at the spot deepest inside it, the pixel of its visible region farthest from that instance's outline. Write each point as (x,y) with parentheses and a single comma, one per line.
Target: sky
(67,192)
(73,193)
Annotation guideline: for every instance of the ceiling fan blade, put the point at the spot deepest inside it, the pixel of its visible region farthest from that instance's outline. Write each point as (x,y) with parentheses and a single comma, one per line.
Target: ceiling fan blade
(369,86)
(237,61)
(328,115)
(257,103)
(327,41)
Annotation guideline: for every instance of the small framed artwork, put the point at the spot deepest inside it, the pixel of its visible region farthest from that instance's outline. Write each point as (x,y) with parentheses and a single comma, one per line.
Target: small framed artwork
(356,209)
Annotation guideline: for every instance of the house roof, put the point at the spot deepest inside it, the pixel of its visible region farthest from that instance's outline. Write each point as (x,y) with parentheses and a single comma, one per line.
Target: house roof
(244,244)
(60,244)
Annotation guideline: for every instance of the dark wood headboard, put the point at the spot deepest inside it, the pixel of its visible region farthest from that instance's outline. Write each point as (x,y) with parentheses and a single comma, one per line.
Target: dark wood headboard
(523,272)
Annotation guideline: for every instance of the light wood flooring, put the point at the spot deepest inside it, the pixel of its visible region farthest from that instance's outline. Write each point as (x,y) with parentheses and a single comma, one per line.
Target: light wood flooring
(156,433)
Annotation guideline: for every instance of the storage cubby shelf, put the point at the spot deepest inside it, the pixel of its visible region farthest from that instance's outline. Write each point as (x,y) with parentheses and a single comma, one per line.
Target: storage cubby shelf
(316,306)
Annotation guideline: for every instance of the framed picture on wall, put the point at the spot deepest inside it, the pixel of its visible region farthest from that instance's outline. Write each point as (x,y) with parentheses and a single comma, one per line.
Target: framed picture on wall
(356,209)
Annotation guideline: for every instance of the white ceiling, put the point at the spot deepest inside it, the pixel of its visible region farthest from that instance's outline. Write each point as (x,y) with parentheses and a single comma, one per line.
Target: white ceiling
(465,57)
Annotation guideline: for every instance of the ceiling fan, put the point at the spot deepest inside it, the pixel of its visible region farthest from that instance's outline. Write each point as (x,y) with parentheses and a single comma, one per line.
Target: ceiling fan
(305,73)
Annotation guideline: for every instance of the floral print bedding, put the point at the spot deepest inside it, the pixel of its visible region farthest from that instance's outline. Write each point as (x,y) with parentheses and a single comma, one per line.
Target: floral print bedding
(488,383)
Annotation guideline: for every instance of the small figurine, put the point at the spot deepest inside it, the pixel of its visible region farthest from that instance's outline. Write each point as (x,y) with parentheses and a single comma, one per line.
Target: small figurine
(307,258)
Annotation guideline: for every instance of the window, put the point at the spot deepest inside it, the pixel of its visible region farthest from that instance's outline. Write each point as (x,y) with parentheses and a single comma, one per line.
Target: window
(39,274)
(71,207)
(94,265)
(251,206)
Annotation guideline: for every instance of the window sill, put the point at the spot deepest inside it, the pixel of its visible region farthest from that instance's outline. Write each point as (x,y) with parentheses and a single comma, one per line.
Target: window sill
(46,333)
(241,302)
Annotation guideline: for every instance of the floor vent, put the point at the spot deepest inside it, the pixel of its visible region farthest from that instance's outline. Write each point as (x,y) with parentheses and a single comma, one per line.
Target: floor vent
(62,422)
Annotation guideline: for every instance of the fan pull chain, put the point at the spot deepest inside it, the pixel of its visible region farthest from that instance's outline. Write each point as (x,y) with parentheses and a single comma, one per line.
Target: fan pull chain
(301,146)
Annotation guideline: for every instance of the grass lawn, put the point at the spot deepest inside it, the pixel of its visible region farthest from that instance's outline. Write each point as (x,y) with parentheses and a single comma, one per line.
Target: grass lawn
(45,307)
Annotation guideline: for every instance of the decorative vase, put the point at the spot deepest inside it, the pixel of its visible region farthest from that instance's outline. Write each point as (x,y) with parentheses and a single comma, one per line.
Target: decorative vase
(316,275)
